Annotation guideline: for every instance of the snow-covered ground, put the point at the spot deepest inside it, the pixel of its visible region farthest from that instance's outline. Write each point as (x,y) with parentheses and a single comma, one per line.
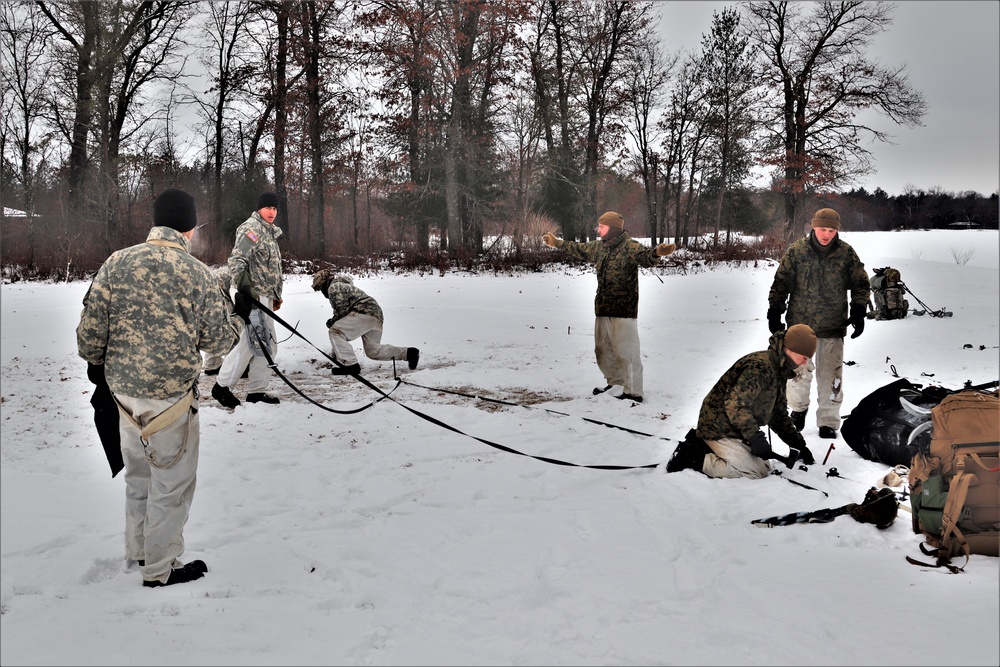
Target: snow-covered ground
(384,538)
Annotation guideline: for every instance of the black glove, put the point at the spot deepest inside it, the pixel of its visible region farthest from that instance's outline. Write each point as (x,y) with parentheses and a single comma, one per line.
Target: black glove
(774,320)
(805,455)
(759,446)
(242,306)
(329,322)
(857,320)
(95,373)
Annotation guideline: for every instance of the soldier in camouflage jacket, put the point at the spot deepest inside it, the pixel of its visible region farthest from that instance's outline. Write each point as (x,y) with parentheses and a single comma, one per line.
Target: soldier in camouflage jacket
(814,277)
(617,258)
(356,315)
(213,362)
(149,313)
(728,441)
(255,267)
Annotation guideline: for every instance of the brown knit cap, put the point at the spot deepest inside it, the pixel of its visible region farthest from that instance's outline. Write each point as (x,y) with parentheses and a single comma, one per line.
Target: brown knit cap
(801,339)
(612,219)
(826,217)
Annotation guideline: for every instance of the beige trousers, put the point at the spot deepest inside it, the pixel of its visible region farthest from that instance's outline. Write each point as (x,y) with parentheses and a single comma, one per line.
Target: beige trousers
(828,367)
(732,458)
(616,345)
(160,478)
(369,329)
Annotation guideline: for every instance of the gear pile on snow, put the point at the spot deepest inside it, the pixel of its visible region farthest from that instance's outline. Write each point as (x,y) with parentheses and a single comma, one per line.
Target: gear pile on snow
(879,507)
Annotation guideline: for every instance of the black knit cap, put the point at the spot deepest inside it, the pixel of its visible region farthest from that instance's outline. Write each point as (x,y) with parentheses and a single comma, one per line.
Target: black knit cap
(267,200)
(175,209)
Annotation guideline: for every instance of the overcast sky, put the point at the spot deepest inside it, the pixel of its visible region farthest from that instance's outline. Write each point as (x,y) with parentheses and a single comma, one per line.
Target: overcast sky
(951,51)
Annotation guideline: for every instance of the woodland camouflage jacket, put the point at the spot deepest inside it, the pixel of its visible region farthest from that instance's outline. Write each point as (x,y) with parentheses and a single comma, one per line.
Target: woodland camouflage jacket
(750,395)
(816,286)
(256,258)
(617,265)
(148,314)
(345,299)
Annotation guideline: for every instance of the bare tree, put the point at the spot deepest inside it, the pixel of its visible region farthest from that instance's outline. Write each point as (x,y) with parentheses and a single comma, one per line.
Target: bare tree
(111,50)
(399,44)
(229,67)
(25,141)
(816,64)
(611,27)
(555,61)
(684,135)
(649,73)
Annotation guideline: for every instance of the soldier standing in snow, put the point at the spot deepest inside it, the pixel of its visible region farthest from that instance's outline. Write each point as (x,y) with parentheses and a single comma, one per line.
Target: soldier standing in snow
(213,362)
(255,267)
(814,276)
(150,311)
(728,441)
(356,314)
(616,306)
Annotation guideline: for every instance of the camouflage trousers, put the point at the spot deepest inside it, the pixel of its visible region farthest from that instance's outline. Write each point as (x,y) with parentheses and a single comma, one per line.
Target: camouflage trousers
(616,345)
(159,484)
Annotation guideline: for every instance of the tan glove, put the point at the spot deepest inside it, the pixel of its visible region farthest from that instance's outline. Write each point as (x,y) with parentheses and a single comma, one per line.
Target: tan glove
(276,305)
(665,249)
(550,240)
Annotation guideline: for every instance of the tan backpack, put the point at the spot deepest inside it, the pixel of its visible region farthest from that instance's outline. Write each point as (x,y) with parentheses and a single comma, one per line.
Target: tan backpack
(955,481)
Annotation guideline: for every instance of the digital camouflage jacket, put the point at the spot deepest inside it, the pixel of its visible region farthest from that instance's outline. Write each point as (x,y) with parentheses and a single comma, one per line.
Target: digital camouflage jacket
(816,286)
(149,313)
(617,265)
(256,258)
(750,395)
(345,299)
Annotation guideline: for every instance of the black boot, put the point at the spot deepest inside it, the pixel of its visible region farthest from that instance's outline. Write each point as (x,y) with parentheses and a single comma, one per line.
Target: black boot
(353,369)
(412,357)
(261,397)
(224,396)
(827,432)
(799,419)
(196,569)
(689,455)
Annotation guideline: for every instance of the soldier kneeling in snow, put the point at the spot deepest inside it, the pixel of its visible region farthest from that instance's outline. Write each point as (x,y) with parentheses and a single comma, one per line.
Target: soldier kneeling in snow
(356,315)
(728,441)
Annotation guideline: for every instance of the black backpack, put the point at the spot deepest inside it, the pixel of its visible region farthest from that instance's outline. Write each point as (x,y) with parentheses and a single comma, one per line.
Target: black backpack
(879,427)
(888,292)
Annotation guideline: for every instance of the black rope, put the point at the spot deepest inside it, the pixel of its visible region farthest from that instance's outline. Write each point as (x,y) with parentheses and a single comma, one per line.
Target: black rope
(528,407)
(433,420)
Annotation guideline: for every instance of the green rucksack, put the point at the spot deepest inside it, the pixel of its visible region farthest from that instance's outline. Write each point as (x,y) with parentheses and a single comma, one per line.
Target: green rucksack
(888,292)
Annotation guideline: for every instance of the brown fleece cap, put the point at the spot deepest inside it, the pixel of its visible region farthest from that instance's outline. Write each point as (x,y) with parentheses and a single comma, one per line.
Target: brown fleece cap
(612,219)
(826,217)
(801,339)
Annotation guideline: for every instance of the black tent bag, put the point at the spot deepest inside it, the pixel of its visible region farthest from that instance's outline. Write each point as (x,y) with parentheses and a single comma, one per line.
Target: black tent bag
(106,418)
(879,426)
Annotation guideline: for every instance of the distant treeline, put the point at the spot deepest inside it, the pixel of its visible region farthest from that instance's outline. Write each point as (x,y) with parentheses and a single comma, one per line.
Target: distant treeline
(448,132)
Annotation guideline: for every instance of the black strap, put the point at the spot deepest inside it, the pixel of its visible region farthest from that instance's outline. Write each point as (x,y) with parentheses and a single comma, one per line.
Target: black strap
(527,407)
(430,419)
